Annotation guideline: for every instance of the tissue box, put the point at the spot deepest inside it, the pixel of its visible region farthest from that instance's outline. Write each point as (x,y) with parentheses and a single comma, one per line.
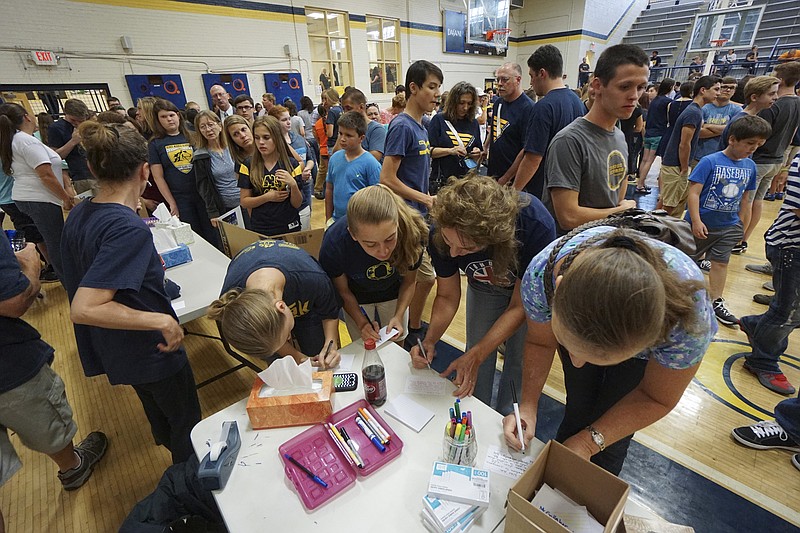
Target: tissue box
(293,410)
(603,494)
(176,256)
(183,234)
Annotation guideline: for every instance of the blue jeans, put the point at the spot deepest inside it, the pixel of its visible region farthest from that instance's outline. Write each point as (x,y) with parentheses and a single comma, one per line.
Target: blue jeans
(769,333)
(787,414)
(49,220)
(485,304)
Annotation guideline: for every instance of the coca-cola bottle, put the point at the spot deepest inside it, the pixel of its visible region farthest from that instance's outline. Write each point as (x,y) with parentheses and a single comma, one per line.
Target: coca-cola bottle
(373,373)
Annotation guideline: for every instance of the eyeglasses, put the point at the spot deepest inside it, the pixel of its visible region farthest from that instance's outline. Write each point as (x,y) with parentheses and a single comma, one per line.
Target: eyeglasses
(208,125)
(727,87)
(244,107)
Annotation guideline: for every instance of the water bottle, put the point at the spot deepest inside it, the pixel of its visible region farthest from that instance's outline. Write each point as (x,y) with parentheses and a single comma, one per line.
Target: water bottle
(373,374)
(16,239)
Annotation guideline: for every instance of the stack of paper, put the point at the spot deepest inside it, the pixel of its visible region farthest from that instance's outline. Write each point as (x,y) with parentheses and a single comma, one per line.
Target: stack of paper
(457,496)
(566,512)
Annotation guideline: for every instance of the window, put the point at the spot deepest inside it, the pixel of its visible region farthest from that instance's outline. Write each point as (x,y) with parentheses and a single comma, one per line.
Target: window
(383,42)
(329,39)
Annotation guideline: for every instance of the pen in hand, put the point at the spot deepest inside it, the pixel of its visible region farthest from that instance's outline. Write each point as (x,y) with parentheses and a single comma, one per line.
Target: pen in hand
(323,360)
(422,351)
(516,414)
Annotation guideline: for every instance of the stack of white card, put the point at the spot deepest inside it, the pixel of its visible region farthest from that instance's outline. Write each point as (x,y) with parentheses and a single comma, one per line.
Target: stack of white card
(566,512)
(457,496)
(445,516)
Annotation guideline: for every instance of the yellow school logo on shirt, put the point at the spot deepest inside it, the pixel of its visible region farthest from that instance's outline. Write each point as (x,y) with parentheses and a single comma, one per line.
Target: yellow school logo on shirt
(425,147)
(299,308)
(466,138)
(270,182)
(499,127)
(382,270)
(181,156)
(617,166)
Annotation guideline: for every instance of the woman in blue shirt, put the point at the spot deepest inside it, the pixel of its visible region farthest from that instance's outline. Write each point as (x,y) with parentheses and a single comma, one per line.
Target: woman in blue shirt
(369,255)
(125,326)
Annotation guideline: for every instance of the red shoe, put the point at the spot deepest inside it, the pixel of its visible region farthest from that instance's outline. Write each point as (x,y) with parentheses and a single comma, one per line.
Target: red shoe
(774,381)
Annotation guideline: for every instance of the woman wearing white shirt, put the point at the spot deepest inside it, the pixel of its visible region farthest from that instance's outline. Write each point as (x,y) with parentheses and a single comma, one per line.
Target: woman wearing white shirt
(40,190)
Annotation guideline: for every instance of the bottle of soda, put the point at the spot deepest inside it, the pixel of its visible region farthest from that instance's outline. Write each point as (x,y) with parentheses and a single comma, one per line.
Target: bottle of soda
(373,373)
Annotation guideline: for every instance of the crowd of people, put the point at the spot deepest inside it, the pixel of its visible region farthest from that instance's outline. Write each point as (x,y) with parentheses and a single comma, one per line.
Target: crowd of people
(497,188)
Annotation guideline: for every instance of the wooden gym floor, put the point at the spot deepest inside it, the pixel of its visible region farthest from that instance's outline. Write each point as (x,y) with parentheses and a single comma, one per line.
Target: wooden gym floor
(696,434)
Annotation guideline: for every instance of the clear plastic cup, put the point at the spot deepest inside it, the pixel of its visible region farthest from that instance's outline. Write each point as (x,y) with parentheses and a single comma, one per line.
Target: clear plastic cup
(459,452)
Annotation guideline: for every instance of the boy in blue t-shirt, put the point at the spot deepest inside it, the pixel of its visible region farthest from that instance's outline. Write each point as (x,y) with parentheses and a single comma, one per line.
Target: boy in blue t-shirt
(719,197)
(351,168)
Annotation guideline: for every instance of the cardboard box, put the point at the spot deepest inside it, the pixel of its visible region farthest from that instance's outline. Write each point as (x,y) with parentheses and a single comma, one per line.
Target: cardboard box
(603,494)
(235,238)
(292,410)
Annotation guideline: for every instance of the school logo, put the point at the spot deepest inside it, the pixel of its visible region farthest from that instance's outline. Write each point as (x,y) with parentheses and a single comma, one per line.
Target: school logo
(466,138)
(382,270)
(270,182)
(299,309)
(181,156)
(617,166)
(425,147)
(500,125)
(482,272)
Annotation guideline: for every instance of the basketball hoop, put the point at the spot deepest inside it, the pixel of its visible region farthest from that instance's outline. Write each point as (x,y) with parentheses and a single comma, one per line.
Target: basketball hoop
(500,38)
(718,43)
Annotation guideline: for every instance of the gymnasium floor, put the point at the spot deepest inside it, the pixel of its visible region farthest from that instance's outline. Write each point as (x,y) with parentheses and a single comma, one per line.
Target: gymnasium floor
(686,467)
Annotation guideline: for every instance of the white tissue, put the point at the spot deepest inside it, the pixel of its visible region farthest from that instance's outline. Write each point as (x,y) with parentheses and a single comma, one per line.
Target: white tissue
(285,377)
(163,215)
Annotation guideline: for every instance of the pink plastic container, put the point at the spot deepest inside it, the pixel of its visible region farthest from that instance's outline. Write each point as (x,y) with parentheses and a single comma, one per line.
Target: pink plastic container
(315,449)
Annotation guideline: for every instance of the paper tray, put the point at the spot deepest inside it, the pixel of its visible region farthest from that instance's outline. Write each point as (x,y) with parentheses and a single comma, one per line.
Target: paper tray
(315,449)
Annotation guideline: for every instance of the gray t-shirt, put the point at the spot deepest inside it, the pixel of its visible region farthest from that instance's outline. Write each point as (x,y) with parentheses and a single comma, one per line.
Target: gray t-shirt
(586,158)
(784,117)
(224,177)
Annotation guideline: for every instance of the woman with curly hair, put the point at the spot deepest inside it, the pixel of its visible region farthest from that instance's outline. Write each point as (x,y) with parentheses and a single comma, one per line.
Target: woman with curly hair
(491,233)
(369,254)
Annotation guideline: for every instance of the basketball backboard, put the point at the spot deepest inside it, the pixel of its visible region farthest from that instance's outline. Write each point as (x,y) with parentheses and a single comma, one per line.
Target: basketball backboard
(738,26)
(484,16)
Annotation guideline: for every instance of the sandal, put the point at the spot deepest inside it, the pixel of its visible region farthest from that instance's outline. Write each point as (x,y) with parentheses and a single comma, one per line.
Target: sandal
(643,190)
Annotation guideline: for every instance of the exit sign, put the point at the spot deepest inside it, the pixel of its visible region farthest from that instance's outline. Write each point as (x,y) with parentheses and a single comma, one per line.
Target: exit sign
(44,57)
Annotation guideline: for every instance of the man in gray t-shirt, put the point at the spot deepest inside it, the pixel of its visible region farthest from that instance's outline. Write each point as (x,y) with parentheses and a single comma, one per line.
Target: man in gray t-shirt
(586,161)
(589,160)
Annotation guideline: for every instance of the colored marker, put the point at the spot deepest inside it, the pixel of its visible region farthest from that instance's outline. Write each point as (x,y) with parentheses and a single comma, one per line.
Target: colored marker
(308,472)
(516,414)
(375,425)
(356,459)
(370,434)
(353,446)
(458,408)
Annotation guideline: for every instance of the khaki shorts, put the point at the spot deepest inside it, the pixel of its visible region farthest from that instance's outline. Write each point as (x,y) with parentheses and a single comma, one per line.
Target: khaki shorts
(38,412)
(764,175)
(674,188)
(425,272)
(385,313)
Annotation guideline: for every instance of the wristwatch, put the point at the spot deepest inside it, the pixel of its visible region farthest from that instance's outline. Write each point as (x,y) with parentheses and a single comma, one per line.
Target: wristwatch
(597,437)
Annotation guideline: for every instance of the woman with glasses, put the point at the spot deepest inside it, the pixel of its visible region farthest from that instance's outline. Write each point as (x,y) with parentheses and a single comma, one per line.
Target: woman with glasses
(213,166)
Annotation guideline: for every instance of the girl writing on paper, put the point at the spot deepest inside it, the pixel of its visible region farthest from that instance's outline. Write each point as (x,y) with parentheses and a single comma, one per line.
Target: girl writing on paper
(275,292)
(490,232)
(630,319)
(369,253)
(125,326)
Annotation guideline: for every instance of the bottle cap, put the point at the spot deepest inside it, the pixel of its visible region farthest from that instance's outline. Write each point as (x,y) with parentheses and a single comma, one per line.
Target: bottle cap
(369,344)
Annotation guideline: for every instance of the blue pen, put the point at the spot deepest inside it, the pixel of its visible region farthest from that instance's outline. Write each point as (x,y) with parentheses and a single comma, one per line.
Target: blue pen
(369,320)
(370,434)
(307,472)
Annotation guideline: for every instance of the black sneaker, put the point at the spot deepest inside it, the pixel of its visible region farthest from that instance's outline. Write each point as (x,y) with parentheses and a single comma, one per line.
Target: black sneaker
(763,299)
(48,275)
(319,195)
(90,451)
(766,435)
(414,334)
(705,265)
(739,248)
(723,314)
(796,460)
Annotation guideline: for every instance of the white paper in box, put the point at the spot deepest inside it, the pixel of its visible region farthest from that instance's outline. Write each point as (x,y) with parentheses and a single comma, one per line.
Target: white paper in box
(463,484)
(460,526)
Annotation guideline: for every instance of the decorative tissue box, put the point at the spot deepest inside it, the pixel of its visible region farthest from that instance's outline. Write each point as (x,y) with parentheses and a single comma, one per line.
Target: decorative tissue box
(183,234)
(291,410)
(176,256)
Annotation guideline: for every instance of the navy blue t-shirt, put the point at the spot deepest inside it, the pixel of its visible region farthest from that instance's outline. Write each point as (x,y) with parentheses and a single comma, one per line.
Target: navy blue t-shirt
(174,154)
(508,130)
(273,218)
(333,118)
(674,110)
(551,114)
(691,116)
(657,117)
(726,133)
(308,289)
(408,139)
(441,137)
(535,230)
(58,134)
(369,279)
(107,246)
(22,351)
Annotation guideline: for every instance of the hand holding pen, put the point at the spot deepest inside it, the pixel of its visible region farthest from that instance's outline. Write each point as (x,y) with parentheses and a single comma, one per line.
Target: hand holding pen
(327,358)
(518,426)
(422,356)
(371,329)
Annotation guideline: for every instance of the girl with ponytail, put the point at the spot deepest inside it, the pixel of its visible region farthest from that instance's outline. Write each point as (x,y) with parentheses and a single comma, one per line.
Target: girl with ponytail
(125,326)
(630,319)
(369,253)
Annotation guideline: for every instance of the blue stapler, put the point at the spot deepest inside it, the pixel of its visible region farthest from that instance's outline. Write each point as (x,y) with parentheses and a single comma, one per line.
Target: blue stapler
(217,465)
